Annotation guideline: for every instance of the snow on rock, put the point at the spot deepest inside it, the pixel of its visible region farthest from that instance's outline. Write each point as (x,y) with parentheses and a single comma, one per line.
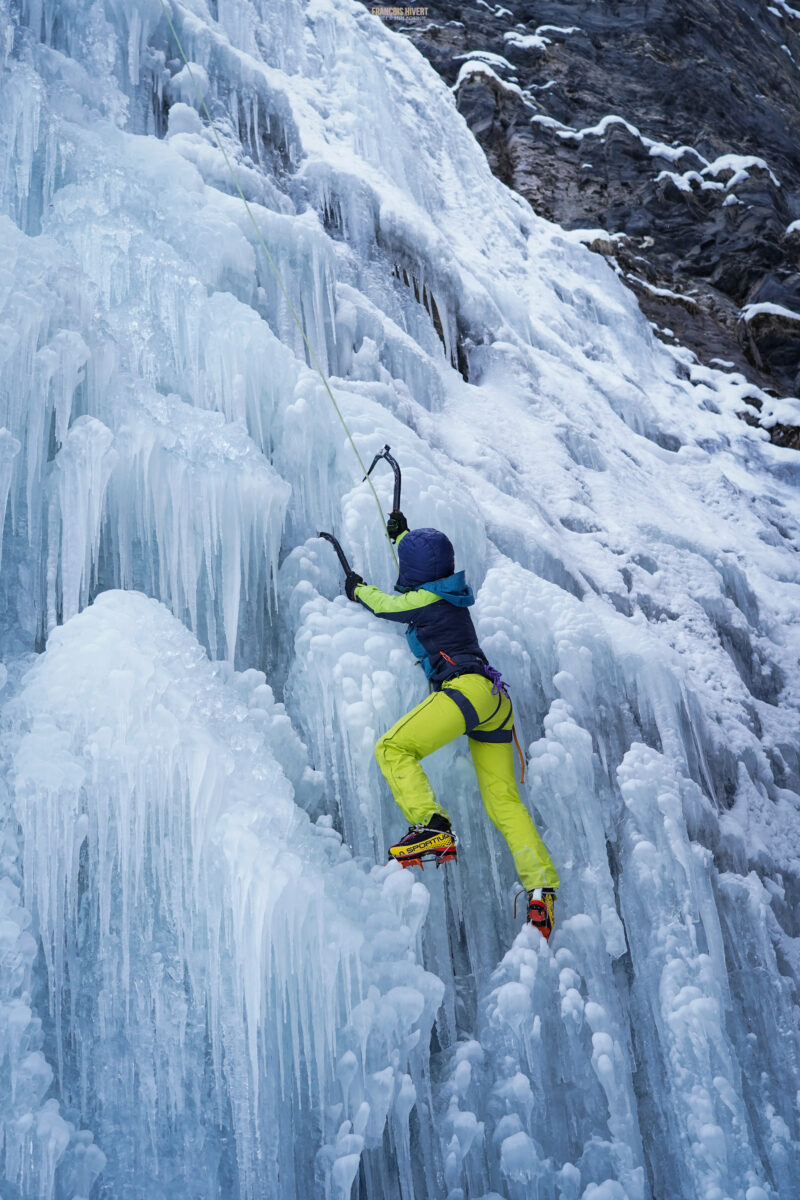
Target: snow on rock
(767,309)
(739,167)
(480,65)
(526,41)
(494,60)
(780,410)
(736,167)
(537,39)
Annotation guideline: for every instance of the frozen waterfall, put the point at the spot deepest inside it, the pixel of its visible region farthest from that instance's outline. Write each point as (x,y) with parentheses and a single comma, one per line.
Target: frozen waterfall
(211,985)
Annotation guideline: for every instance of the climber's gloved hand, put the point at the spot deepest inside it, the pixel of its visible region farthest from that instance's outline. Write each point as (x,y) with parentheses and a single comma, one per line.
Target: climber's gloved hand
(396,524)
(351,582)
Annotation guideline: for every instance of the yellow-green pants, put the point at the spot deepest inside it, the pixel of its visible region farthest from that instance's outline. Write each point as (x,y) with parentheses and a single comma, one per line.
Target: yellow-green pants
(434,723)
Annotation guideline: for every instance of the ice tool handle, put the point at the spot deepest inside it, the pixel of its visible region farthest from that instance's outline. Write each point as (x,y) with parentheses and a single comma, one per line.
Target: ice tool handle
(348,570)
(398,479)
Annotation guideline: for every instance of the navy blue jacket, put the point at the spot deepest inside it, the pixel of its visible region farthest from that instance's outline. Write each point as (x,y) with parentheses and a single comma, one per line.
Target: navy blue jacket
(440,630)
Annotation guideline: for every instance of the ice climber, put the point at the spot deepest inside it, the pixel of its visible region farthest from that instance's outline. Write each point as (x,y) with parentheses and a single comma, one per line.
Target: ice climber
(468,696)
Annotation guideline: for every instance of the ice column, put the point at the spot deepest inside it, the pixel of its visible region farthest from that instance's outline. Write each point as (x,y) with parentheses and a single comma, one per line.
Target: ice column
(82,469)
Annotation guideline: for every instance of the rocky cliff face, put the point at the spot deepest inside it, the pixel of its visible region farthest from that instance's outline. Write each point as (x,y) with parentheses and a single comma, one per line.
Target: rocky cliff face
(670,131)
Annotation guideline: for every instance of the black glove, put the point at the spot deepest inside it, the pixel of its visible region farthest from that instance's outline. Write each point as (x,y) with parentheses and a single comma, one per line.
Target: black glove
(350,584)
(396,525)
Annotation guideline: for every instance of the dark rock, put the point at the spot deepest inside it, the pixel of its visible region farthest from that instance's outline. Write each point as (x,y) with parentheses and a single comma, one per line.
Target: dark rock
(715,78)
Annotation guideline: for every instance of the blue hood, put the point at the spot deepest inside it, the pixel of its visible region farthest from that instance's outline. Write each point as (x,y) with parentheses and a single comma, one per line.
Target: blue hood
(424,555)
(455,590)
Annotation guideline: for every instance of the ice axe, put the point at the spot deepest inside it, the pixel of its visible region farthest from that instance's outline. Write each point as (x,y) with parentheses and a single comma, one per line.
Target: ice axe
(398,480)
(348,570)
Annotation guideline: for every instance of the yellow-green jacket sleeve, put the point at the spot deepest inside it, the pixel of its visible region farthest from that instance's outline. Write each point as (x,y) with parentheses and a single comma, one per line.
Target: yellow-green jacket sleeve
(394,608)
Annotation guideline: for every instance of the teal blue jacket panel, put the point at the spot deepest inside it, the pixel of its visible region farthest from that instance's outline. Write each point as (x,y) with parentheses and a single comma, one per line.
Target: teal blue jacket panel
(455,590)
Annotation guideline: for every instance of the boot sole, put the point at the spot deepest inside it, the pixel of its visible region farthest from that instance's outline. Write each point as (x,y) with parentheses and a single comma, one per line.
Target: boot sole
(445,855)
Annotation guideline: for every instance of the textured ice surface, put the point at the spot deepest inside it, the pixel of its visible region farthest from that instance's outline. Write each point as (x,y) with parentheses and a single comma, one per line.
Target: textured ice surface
(208,987)
(232,936)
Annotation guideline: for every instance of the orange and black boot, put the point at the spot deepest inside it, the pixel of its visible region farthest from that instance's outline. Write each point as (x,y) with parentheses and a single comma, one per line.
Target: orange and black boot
(541,910)
(433,841)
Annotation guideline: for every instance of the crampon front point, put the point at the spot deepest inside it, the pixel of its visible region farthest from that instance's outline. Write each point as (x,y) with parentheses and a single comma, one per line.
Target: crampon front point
(450,854)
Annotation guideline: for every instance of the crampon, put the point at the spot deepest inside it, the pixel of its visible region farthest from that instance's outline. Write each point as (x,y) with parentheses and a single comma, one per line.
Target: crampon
(541,909)
(432,842)
(438,856)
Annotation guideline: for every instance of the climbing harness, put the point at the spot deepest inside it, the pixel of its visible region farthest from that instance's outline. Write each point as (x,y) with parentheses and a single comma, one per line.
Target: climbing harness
(498,684)
(500,687)
(470,715)
(273,266)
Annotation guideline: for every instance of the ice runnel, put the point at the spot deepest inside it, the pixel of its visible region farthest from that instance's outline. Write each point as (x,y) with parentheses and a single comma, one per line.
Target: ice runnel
(200,915)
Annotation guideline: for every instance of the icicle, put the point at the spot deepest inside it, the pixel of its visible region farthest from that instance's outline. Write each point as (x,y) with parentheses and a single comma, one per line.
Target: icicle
(82,469)
(6,39)
(205,508)
(9,449)
(255,132)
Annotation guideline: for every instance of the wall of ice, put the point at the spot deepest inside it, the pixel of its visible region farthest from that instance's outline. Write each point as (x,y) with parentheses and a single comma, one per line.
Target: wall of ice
(208,987)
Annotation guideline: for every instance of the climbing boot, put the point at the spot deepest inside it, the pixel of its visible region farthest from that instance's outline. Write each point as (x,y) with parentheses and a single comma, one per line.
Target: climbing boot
(434,841)
(541,910)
